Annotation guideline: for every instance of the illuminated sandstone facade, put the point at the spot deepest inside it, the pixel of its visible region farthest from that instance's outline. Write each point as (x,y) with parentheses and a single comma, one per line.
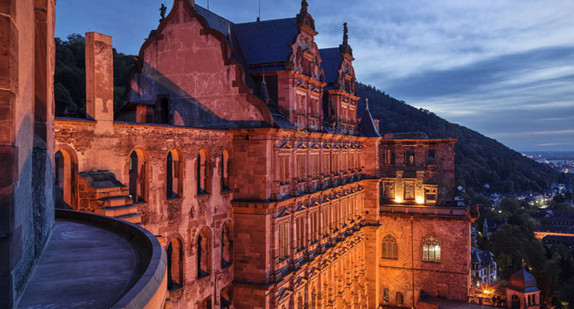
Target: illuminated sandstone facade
(239,146)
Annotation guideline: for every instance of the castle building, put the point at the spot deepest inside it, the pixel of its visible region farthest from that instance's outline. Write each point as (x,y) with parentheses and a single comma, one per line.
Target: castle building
(240,148)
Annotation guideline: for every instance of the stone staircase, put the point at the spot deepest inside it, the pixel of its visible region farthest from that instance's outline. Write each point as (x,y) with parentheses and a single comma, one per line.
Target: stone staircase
(109,197)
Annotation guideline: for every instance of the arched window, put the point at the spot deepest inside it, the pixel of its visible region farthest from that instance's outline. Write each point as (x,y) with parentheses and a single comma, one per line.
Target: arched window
(137,176)
(203,253)
(175,265)
(399,299)
(201,172)
(390,248)
(515,302)
(65,179)
(431,250)
(173,183)
(226,246)
(225,171)
(300,302)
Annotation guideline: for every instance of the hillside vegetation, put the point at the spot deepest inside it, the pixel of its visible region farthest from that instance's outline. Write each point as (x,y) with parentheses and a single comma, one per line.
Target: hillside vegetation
(479,159)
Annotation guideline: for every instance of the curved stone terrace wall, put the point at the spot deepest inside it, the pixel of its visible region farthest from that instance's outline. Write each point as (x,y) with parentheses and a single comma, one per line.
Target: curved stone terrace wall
(85,258)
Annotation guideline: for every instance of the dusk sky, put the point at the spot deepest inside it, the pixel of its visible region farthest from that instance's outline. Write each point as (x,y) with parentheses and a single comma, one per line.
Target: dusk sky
(502,68)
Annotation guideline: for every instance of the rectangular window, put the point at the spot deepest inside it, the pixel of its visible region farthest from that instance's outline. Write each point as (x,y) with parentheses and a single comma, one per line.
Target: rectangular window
(325,162)
(325,220)
(300,233)
(301,168)
(283,166)
(283,240)
(315,165)
(430,195)
(312,227)
(430,157)
(335,163)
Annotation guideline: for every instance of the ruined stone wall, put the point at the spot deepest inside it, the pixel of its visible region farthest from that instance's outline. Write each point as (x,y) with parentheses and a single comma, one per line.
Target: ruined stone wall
(26,140)
(181,217)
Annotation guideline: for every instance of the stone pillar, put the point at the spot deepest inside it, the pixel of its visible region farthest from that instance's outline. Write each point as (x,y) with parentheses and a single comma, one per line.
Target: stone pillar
(371,201)
(100,80)
(26,140)
(372,257)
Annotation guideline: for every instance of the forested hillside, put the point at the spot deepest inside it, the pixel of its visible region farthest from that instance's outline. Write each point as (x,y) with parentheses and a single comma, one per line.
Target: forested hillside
(479,160)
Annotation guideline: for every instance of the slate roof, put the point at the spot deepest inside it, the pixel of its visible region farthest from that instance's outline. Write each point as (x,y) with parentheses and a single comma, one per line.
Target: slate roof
(482,257)
(332,59)
(215,21)
(367,126)
(266,42)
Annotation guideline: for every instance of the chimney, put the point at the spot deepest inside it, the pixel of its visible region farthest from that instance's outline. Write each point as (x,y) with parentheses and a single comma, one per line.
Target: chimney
(100,79)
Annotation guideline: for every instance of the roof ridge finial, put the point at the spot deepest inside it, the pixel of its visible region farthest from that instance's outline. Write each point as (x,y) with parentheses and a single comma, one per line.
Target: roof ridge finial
(523,262)
(304,6)
(345,34)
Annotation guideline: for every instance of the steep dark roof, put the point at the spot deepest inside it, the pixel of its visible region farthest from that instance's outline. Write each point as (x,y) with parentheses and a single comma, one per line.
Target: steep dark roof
(331,62)
(266,42)
(367,126)
(215,21)
(482,257)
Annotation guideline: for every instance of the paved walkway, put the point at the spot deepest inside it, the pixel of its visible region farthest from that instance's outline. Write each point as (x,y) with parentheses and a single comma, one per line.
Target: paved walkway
(84,266)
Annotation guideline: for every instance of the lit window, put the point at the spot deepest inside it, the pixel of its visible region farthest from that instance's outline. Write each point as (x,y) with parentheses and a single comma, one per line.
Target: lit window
(431,250)
(409,157)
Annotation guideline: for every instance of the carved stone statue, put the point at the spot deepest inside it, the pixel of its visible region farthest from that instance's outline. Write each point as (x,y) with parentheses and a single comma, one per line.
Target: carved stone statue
(162,11)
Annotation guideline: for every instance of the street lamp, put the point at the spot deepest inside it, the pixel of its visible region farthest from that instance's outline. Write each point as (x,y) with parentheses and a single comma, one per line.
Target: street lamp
(485,293)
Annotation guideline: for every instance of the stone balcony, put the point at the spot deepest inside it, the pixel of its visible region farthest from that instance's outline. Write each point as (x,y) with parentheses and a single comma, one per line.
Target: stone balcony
(93,261)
